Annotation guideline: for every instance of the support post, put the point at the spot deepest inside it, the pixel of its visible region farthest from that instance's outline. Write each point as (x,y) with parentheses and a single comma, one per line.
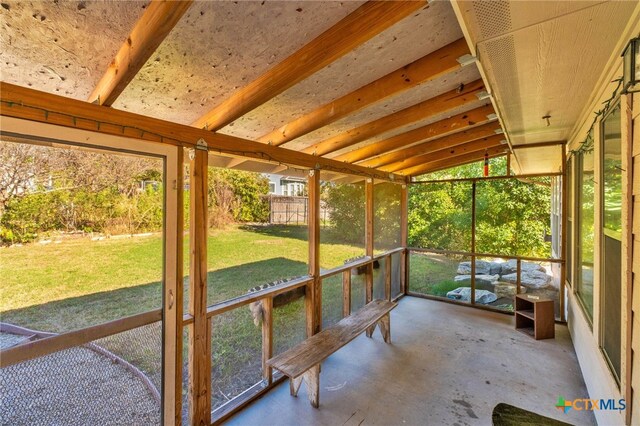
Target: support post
(346,293)
(518,273)
(387,277)
(563,234)
(200,335)
(473,243)
(178,297)
(404,234)
(313,299)
(368,190)
(267,338)
(369,283)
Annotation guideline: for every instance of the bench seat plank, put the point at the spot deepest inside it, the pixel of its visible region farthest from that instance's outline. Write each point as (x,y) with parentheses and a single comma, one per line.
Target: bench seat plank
(295,361)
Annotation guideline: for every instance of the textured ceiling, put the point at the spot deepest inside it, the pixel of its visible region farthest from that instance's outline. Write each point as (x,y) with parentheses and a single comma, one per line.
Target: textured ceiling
(218,47)
(389,106)
(412,38)
(62,47)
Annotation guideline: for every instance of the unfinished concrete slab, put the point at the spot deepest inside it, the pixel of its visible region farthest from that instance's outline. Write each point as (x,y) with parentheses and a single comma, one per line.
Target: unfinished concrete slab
(446,364)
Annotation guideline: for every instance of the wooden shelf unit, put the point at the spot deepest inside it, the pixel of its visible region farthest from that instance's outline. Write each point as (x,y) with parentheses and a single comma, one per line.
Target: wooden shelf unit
(535,316)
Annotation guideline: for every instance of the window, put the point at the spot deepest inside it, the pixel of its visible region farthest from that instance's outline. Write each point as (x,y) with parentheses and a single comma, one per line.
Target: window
(272,188)
(611,197)
(585,231)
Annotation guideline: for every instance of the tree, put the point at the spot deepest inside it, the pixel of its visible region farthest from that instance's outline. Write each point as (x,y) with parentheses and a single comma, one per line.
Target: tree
(512,217)
(22,167)
(346,204)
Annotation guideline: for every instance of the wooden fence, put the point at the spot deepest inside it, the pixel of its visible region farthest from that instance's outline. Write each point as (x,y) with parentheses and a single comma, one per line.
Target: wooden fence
(292,210)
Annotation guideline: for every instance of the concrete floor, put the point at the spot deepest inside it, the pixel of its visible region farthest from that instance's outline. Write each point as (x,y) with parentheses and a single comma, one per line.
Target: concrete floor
(447,365)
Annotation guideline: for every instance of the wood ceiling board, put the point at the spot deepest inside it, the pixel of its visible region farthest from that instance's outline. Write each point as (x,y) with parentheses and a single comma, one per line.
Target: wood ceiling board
(388,106)
(539,160)
(437,64)
(403,43)
(489,19)
(551,69)
(63,47)
(219,47)
(219,160)
(357,28)
(262,167)
(455,161)
(438,129)
(442,143)
(459,97)
(453,151)
(465,162)
(374,141)
(147,34)
(343,179)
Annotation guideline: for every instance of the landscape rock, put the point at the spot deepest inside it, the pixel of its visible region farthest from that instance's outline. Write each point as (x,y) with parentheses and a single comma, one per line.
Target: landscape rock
(507,289)
(480,279)
(495,268)
(463,294)
(530,278)
(482,268)
(511,267)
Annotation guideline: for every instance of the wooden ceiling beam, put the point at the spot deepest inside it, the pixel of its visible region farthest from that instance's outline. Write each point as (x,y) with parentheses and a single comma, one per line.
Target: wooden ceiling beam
(429,67)
(154,25)
(446,142)
(458,122)
(361,25)
(28,104)
(455,161)
(445,102)
(456,150)
(464,163)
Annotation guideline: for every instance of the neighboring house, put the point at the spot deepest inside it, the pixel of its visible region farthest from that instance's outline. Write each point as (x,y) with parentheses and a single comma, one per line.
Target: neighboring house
(286,185)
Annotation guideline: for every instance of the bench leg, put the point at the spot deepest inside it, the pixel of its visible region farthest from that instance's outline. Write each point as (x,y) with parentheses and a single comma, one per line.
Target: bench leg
(294,385)
(370,330)
(385,328)
(312,381)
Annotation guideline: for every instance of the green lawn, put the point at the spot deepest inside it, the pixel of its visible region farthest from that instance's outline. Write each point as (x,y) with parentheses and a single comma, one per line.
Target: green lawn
(433,274)
(78,283)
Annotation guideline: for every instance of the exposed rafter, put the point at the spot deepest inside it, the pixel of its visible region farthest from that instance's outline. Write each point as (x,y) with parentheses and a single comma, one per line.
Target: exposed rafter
(436,105)
(458,122)
(361,25)
(233,162)
(435,64)
(455,161)
(454,151)
(446,142)
(29,104)
(157,21)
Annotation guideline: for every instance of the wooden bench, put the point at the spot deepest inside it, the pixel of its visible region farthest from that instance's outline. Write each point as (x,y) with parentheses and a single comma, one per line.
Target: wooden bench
(302,362)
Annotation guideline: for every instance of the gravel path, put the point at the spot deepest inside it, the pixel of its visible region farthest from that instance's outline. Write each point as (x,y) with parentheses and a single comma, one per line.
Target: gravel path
(9,339)
(77,386)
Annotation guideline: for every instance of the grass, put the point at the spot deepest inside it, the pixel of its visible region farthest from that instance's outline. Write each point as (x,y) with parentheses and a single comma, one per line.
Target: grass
(79,283)
(433,274)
